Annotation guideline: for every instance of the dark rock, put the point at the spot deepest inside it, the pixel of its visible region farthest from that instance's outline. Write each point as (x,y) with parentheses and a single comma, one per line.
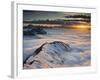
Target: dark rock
(32,31)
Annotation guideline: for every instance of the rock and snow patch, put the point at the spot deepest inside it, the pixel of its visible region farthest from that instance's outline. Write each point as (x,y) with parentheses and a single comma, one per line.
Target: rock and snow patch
(55,54)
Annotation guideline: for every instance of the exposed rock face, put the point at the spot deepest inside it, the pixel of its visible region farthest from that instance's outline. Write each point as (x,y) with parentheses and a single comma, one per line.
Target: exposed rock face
(36,52)
(51,55)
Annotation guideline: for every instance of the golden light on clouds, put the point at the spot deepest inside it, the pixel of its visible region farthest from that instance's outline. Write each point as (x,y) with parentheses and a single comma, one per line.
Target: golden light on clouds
(82,26)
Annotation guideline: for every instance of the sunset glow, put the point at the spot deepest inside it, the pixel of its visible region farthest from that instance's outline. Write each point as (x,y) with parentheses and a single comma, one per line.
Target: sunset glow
(82,26)
(54,39)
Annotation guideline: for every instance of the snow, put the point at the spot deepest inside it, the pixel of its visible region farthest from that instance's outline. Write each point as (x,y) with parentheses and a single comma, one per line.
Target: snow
(72,49)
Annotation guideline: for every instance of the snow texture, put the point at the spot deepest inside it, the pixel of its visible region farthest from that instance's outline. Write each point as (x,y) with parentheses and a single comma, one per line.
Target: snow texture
(58,48)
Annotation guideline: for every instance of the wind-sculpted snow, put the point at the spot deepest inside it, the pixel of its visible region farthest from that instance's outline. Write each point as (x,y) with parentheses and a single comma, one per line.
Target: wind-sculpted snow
(56,54)
(58,48)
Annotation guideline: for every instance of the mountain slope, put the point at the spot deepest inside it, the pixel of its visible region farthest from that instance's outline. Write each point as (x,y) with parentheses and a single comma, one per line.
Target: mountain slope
(55,54)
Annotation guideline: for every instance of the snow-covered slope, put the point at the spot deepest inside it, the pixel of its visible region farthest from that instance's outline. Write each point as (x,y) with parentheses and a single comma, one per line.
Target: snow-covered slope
(56,54)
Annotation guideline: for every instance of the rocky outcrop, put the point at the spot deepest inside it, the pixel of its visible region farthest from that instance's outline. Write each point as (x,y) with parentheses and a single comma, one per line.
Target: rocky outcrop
(54,54)
(32,31)
(51,48)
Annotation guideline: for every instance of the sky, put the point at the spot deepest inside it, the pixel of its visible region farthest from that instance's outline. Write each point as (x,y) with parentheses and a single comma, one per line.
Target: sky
(44,15)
